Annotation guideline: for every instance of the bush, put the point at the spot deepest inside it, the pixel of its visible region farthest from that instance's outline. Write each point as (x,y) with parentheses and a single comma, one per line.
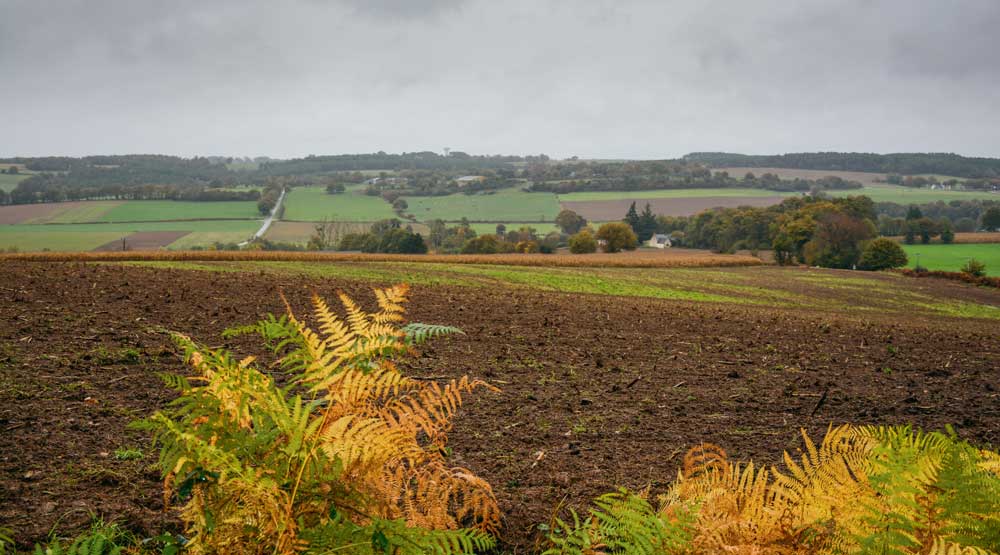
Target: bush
(348,456)
(485,244)
(974,268)
(617,237)
(582,243)
(882,254)
(526,247)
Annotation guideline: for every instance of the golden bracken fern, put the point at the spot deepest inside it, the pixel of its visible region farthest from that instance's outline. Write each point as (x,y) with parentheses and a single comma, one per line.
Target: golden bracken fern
(867,490)
(347,457)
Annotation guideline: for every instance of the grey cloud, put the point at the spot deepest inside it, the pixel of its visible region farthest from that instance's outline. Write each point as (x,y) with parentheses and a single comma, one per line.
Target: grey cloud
(631,78)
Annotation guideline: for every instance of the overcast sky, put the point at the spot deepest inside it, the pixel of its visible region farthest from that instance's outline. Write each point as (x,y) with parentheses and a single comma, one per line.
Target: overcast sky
(622,79)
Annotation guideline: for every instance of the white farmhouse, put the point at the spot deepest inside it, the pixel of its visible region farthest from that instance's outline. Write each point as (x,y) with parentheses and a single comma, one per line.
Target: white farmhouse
(659,241)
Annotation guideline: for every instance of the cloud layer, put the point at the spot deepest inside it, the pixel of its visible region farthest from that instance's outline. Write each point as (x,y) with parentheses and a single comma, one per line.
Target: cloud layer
(640,79)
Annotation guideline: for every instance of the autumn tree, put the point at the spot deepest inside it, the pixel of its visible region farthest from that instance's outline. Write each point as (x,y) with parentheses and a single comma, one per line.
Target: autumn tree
(583,242)
(837,240)
(882,254)
(617,237)
(570,222)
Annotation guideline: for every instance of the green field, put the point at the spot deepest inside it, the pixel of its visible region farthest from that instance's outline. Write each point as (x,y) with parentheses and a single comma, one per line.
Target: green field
(951,257)
(158,210)
(540,228)
(314,204)
(908,195)
(83,237)
(672,193)
(9,182)
(507,205)
(878,193)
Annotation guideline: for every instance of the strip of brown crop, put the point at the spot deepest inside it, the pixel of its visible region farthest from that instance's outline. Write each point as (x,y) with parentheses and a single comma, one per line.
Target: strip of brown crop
(671,259)
(966,237)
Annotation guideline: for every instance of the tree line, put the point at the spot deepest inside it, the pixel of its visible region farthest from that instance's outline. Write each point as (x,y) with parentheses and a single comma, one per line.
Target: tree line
(898,163)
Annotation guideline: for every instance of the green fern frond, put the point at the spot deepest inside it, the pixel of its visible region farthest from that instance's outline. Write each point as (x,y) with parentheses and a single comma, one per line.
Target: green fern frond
(417,333)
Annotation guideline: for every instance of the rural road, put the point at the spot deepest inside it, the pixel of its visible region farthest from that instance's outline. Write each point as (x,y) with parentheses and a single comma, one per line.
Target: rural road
(267,222)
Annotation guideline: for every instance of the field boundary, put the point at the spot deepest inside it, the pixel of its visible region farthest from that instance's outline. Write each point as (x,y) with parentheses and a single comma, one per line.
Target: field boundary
(591,260)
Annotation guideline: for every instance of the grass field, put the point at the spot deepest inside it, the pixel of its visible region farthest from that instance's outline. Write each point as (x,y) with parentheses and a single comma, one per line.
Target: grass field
(314,204)
(507,205)
(8,182)
(951,257)
(877,192)
(83,237)
(540,228)
(909,195)
(671,193)
(161,210)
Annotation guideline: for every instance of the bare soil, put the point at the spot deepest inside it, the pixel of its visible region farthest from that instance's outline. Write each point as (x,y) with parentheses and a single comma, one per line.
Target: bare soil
(605,210)
(143,241)
(24,213)
(598,391)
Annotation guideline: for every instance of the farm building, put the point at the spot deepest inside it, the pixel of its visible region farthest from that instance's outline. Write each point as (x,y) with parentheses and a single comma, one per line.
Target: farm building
(659,241)
(466,179)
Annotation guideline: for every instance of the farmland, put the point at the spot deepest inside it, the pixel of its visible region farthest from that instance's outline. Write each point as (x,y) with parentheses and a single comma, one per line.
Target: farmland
(951,257)
(879,191)
(8,182)
(81,237)
(95,211)
(507,205)
(609,373)
(314,204)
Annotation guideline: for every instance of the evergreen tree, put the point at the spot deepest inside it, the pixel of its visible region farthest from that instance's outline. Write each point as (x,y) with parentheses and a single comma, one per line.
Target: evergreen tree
(632,218)
(647,224)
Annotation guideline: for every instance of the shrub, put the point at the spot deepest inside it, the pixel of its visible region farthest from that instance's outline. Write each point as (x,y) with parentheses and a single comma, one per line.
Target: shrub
(974,268)
(582,243)
(882,254)
(485,244)
(349,456)
(617,237)
(526,247)
(862,490)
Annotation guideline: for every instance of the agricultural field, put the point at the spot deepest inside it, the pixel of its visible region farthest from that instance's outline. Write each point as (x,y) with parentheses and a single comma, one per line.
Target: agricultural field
(9,182)
(506,205)
(540,228)
(951,258)
(738,192)
(910,195)
(300,232)
(95,211)
(879,191)
(606,376)
(314,204)
(84,237)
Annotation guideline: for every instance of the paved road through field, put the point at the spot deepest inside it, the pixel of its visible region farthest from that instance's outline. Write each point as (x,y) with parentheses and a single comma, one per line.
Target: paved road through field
(267,222)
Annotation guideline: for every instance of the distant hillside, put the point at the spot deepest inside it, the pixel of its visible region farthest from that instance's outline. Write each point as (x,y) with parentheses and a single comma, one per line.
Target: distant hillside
(901,163)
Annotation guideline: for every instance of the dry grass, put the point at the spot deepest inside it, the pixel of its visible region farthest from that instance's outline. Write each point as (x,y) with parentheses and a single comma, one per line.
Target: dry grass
(639,259)
(965,238)
(984,237)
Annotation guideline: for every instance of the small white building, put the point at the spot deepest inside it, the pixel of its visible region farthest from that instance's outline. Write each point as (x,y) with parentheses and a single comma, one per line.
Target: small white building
(659,241)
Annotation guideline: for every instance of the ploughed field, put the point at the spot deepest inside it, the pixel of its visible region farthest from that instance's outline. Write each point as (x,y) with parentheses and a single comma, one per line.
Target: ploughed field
(601,387)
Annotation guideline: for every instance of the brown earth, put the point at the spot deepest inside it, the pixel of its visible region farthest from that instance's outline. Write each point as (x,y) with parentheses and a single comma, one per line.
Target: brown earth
(598,391)
(143,241)
(21,213)
(606,210)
